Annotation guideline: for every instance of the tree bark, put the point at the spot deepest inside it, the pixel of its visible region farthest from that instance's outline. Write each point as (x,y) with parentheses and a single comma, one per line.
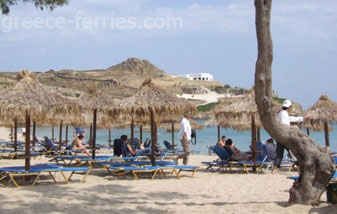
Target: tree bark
(316,167)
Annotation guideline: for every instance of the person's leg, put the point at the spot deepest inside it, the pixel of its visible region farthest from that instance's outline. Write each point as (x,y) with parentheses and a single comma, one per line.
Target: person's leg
(279,157)
(183,154)
(187,152)
(279,154)
(143,152)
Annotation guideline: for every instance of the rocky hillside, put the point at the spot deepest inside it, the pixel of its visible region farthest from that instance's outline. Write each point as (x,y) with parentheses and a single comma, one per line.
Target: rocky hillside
(120,80)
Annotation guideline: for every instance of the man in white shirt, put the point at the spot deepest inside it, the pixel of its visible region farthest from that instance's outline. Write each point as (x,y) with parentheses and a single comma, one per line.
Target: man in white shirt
(285,119)
(185,137)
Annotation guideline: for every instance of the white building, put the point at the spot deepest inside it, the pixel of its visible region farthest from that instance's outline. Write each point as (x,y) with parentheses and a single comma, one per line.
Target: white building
(199,77)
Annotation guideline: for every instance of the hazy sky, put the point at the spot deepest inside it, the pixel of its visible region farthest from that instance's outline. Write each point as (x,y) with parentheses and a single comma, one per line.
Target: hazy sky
(214,36)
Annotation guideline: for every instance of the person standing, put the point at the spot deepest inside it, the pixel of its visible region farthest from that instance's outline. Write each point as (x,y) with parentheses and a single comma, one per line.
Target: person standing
(185,137)
(286,120)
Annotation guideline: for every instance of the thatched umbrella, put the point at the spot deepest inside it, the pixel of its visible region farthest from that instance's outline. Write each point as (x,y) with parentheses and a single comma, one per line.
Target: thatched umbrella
(323,112)
(28,96)
(153,104)
(241,113)
(97,101)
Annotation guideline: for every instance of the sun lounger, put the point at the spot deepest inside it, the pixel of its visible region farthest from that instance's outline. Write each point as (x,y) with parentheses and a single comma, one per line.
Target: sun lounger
(333,179)
(136,171)
(37,170)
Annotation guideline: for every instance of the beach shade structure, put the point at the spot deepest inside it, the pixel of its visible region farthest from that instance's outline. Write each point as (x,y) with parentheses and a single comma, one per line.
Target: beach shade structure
(97,101)
(30,98)
(242,115)
(153,104)
(323,112)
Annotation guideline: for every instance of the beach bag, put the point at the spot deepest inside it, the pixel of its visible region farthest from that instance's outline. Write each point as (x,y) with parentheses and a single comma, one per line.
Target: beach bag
(193,137)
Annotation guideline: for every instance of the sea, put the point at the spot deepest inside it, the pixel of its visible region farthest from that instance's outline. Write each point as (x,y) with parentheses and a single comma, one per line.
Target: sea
(208,136)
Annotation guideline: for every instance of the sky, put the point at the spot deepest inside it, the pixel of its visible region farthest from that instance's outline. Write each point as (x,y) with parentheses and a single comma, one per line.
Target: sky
(179,37)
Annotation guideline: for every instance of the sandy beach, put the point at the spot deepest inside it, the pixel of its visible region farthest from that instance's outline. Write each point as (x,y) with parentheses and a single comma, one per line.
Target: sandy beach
(205,193)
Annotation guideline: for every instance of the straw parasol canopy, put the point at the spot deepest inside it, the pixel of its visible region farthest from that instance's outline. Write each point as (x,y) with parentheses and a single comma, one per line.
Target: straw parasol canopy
(29,97)
(323,112)
(153,104)
(29,94)
(162,104)
(97,101)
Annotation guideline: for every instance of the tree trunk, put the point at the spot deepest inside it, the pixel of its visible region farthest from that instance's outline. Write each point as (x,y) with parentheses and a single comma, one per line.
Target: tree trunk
(316,167)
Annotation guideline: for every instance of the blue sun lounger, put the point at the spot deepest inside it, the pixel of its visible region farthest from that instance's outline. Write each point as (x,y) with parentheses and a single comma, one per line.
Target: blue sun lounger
(37,170)
(296,177)
(121,170)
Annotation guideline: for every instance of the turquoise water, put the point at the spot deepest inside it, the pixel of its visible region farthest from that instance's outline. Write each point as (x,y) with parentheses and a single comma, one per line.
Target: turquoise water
(205,137)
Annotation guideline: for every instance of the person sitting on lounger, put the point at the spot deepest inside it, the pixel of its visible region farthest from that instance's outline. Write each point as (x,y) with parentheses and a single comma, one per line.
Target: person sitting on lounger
(128,151)
(222,141)
(77,144)
(234,153)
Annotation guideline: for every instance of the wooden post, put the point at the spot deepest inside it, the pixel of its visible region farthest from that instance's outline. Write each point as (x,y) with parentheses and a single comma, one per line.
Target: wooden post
(12,137)
(218,133)
(15,134)
(60,138)
(66,135)
(52,133)
(253,140)
(34,132)
(172,127)
(93,143)
(27,142)
(327,140)
(141,133)
(90,134)
(110,141)
(258,132)
(132,131)
(153,159)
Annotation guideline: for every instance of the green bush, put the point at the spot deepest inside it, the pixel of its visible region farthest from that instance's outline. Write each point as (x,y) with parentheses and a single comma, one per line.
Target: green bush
(207,107)
(279,100)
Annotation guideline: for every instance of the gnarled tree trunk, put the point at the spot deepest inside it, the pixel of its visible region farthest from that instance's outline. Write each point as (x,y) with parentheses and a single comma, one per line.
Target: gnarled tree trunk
(316,167)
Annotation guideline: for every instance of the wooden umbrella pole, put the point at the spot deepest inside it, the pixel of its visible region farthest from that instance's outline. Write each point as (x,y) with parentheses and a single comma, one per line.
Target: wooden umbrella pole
(66,135)
(15,134)
(110,138)
(90,133)
(258,132)
(141,133)
(34,132)
(27,142)
(153,161)
(52,133)
(94,135)
(172,135)
(132,131)
(12,138)
(253,140)
(60,138)
(327,140)
(218,133)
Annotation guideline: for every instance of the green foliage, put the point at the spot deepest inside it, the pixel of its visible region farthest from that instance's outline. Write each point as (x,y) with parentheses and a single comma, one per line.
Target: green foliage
(66,94)
(207,107)
(279,100)
(41,4)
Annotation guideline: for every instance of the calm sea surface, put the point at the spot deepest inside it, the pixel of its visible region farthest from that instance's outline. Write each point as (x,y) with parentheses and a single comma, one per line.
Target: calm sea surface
(206,136)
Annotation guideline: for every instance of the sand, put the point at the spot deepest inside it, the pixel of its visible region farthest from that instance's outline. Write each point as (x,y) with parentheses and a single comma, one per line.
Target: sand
(205,193)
